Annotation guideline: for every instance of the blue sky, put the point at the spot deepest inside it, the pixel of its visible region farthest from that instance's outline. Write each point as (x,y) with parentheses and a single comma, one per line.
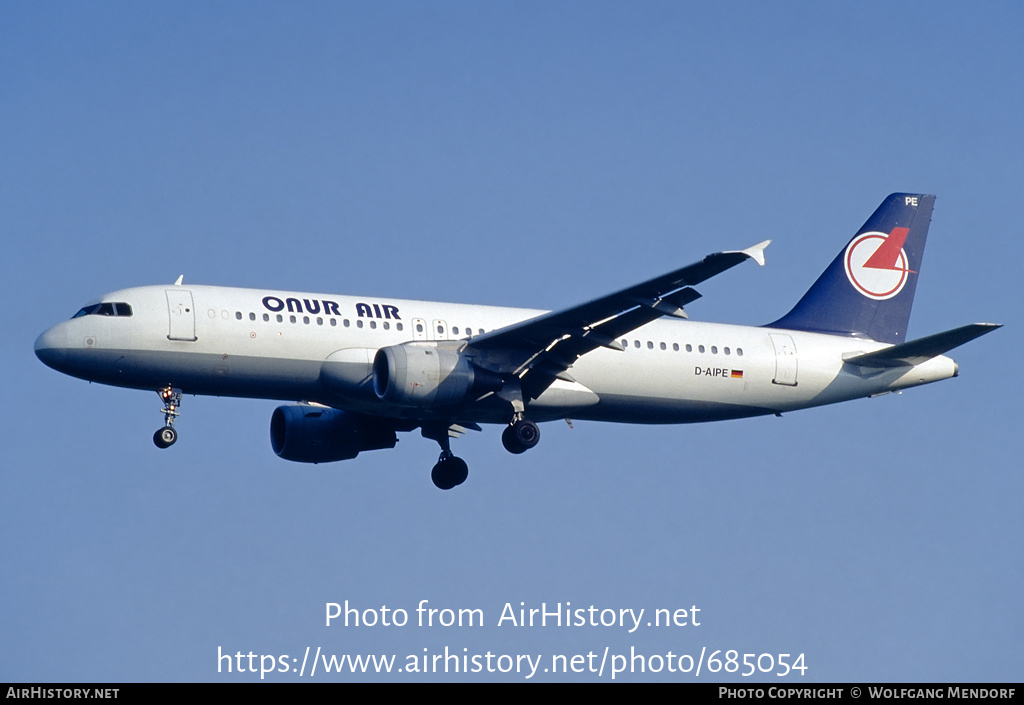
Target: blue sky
(526,154)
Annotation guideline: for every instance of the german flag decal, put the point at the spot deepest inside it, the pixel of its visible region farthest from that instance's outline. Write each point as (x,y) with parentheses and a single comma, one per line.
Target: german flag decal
(736,374)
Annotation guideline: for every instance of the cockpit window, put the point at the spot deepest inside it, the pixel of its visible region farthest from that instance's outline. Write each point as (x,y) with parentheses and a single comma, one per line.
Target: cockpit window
(88,310)
(105,309)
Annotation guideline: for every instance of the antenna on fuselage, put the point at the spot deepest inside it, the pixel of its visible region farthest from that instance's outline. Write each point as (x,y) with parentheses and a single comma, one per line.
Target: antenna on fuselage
(178,281)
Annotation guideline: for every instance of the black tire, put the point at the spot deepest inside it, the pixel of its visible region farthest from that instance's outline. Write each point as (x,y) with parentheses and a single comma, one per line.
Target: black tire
(449,473)
(165,437)
(460,471)
(527,433)
(508,439)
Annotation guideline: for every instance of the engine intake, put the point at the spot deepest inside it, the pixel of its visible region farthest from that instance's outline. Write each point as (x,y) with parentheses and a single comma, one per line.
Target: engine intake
(316,434)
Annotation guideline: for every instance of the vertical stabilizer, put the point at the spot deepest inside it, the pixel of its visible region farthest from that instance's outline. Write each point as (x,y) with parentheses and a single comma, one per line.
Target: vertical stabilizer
(868,290)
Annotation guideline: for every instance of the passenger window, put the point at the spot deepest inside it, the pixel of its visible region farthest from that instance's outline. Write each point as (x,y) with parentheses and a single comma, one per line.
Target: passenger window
(398,326)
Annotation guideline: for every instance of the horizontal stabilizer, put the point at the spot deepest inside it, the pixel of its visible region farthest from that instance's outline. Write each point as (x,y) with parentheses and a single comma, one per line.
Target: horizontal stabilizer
(917,351)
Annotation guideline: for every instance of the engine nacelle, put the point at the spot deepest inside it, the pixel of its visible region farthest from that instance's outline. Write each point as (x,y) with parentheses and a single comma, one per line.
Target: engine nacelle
(317,434)
(428,376)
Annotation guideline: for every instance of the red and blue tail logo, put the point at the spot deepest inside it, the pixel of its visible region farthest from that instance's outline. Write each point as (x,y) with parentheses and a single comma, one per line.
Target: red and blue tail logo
(876,263)
(868,290)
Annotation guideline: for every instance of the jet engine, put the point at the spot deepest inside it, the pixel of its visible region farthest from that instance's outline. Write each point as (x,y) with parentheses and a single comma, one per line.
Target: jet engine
(316,434)
(428,376)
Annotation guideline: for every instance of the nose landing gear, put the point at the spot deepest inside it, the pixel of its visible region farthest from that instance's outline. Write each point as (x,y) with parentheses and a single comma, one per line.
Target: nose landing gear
(166,436)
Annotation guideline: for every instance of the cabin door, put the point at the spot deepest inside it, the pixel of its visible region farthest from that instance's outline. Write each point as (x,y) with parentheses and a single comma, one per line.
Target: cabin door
(182,315)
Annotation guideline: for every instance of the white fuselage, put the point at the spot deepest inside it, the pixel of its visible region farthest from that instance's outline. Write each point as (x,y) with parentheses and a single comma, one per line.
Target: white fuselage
(320,348)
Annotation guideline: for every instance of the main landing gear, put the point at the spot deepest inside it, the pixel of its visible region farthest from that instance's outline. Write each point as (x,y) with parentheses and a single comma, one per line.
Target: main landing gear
(451,471)
(166,436)
(520,435)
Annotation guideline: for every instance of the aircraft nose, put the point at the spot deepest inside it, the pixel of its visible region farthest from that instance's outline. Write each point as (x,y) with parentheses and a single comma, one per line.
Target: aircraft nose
(51,347)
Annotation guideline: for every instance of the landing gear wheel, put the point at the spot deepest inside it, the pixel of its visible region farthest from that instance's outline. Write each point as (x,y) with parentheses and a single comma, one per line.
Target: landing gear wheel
(165,437)
(449,472)
(520,436)
(508,439)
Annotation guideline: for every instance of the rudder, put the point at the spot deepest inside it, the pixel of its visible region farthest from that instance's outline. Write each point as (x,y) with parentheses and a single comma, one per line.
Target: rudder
(868,290)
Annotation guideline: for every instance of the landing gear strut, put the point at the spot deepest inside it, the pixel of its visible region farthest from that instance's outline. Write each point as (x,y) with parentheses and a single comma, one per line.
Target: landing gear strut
(520,435)
(166,436)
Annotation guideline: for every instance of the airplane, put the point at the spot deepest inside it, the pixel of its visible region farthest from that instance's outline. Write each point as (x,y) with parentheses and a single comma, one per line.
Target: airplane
(362,369)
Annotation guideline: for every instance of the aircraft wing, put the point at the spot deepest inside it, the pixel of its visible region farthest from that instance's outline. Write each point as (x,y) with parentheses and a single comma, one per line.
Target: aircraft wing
(542,349)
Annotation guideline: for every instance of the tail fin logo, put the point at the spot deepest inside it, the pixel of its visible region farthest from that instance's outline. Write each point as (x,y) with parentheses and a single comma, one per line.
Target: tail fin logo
(876,263)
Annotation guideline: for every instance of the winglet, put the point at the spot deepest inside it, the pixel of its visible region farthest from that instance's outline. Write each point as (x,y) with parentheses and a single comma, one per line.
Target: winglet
(756,252)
